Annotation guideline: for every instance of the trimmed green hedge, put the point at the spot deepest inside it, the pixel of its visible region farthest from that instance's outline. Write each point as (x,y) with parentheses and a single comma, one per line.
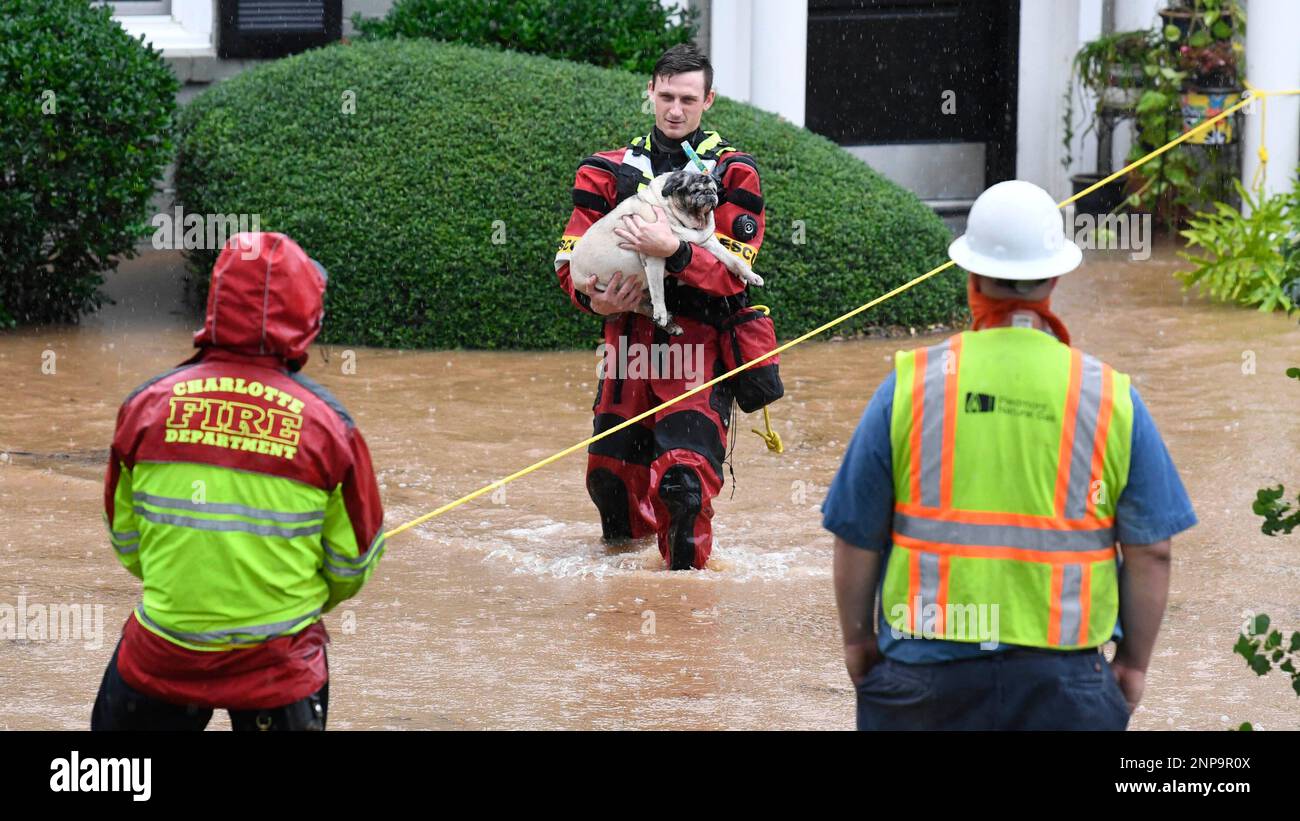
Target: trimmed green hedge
(451,146)
(85,119)
(629,34)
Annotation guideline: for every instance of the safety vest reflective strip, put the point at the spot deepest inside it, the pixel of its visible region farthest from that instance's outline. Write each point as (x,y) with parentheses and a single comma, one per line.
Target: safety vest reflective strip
(231,638)
(241,564)
(934,531)
(706,151)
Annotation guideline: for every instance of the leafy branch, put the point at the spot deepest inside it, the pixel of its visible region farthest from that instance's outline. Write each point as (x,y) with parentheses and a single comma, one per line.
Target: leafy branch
(1262,649)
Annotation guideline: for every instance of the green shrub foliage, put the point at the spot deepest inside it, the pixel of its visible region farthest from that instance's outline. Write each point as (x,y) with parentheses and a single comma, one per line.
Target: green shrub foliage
(85,115)
(628,34)
(437,204)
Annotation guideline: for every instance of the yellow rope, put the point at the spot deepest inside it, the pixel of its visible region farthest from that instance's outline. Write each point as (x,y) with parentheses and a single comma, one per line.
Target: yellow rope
(769,436)
(469,497)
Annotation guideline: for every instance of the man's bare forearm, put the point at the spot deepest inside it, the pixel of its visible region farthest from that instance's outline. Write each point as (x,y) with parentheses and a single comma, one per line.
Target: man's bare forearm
(1143,593)
(855,573)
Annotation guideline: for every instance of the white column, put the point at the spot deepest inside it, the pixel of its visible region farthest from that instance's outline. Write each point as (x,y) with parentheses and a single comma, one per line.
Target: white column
(1048,39)
(729,48)
(1083,101)
(1273,62)
(779,58)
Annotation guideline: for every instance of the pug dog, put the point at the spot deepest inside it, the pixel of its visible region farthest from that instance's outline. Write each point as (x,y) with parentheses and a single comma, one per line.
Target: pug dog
(688,199)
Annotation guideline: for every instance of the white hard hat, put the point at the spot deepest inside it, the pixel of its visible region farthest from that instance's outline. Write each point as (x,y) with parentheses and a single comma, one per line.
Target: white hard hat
(1014,231)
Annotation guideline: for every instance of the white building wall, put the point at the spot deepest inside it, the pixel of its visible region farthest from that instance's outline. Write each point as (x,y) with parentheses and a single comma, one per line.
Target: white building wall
(1273,62)
(778,31)
(1049,37)
(729,48)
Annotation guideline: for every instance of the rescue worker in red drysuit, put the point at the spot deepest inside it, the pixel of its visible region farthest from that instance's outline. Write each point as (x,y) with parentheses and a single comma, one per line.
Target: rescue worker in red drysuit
(660,475)
(242,495)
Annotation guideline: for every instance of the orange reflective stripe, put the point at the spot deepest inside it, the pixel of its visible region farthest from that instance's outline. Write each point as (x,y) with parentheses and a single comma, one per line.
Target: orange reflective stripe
(1052,557)
(1067,431)
(985,517)
(918,415)
(1099,442)
(949,422)
(1054,614)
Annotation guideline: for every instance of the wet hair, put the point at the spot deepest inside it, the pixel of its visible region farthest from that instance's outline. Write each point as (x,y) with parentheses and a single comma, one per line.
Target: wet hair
(681,59)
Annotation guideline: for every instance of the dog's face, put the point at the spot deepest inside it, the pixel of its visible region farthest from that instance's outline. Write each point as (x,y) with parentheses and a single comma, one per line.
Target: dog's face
(692,193)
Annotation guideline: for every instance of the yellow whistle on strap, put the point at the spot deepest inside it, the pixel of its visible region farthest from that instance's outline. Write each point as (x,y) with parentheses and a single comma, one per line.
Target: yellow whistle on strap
(770,437)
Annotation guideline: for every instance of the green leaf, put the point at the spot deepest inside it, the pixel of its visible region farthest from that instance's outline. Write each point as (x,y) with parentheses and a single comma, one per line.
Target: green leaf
(1200,39)
(1245,727)
(1294,373)
(1172,33)
(1260,665)
(1151,101)
(1244,648)
(1295,642)
(1221,30)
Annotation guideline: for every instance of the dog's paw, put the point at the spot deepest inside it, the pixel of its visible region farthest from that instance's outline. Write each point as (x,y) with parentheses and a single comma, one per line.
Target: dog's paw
(752,278)
(673,328)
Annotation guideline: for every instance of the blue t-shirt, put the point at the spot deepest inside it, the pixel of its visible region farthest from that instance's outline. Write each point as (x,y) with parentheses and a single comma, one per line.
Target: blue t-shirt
(859,508)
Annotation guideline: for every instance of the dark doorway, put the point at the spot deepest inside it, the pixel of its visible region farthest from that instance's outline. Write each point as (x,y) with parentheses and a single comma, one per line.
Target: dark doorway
(881,71)
(276,28)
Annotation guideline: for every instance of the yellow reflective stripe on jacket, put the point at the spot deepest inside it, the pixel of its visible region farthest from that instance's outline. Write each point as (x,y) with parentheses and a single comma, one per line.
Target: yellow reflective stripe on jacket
(710,149)
(229,638)
(228,557)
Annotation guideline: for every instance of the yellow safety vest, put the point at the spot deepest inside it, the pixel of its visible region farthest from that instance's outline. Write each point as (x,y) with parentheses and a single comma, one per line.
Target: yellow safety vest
(1010,451)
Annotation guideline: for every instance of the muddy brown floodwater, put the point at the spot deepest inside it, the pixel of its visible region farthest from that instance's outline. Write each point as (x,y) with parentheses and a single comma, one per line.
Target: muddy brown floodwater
(508,612)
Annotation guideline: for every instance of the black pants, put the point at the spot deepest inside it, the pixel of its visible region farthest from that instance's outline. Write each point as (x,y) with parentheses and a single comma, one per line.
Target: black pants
(121,707)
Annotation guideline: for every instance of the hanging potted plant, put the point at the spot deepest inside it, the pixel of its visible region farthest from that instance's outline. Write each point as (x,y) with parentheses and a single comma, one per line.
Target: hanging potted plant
(1197,22)
(1111,68)
(1193,75)
(1212,85)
